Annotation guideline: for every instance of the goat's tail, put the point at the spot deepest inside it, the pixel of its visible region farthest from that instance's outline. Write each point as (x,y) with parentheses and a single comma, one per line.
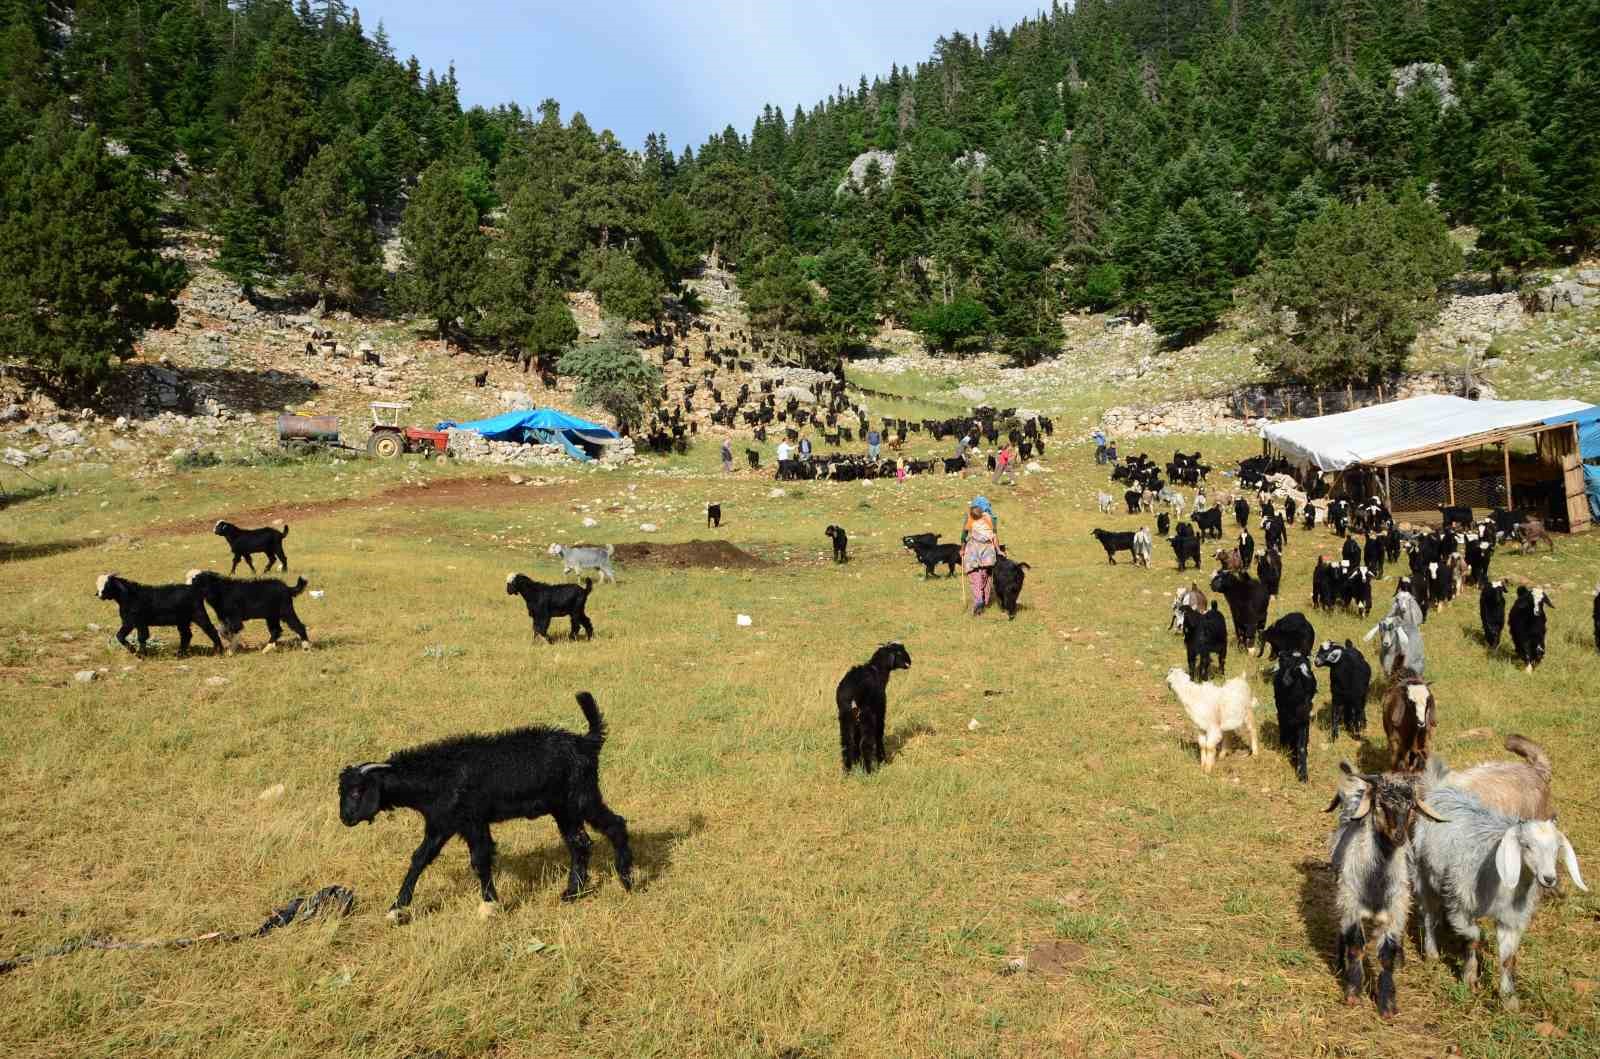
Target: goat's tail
(1531,752)
(591,713)
(588,586)
(299,587)
(609,549)
(284,532)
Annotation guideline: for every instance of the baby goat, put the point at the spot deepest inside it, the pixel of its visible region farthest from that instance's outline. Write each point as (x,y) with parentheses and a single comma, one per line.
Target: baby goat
(1479,864)
(553,601)
(1374,878)
(237,601)
(841,543)
(863,706)
(143,606)
(1527,625)
(1214,711)
(460,786)
(1410,715)
(713,516)
(245,543)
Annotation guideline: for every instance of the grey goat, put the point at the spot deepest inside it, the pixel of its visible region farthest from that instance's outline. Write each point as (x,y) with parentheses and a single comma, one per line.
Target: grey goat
(1373,870)
(577,560)
(1400,645)
(1479,864)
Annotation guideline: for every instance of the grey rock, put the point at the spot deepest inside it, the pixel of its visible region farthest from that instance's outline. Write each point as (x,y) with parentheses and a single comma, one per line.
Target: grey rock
(12,413)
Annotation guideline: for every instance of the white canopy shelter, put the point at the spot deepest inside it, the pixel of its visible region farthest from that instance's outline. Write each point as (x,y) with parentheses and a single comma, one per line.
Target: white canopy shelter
(1387,434)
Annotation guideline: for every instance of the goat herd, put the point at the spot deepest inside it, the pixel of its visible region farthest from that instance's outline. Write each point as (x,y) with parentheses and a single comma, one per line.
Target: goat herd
(1466,844)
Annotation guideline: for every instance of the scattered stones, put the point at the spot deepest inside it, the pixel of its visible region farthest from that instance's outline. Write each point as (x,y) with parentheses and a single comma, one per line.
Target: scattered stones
(216,682)
(648,527)
(85,676)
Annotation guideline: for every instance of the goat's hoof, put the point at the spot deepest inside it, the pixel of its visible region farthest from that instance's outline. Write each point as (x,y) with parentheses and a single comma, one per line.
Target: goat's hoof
(269,647)
(398,917)
(1351,1000)
(488,909)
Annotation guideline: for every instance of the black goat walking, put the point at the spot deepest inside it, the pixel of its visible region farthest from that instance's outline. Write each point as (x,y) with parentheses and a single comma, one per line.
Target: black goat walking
(245,543)
(237,601)
(462,785)
(841,543)
(143,606)
(863,706)
(553,601)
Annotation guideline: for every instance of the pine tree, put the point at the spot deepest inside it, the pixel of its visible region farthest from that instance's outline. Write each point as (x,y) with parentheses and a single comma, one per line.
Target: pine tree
(443,247)
(551,328)
(81,272)
(329,235)
(1507,187)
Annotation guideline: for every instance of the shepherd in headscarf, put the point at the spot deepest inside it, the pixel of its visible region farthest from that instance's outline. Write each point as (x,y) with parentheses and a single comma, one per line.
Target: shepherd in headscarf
(979,549)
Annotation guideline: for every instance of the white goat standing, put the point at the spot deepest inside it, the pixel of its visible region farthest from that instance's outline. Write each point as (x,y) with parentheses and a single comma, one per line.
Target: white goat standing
(1214,710)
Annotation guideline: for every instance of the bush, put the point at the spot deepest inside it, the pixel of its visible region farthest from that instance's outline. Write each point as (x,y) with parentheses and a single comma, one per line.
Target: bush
(612,375)
(945,326)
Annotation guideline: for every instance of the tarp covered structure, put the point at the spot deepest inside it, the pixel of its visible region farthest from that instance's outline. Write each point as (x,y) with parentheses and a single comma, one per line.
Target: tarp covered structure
(545,426)
(1387,434)
(1588,421)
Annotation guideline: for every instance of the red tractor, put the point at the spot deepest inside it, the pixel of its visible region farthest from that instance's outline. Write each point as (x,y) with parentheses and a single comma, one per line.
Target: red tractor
(389,439)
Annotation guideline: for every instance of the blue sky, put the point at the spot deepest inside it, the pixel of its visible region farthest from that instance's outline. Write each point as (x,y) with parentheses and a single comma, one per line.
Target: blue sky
(683,68)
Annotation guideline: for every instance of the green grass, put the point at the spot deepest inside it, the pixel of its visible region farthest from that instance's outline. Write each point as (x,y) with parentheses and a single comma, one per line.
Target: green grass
(782,909)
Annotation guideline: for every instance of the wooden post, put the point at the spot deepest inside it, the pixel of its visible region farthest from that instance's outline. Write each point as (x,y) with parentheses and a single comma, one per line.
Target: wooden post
(1505,455)
(1450,473)
(1319,405)
(1388,491)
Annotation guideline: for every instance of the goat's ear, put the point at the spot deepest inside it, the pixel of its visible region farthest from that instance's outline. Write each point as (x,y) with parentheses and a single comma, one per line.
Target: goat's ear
(1570,858)
(1370,634)
(1337,798)
(1427,810)
(1508,857)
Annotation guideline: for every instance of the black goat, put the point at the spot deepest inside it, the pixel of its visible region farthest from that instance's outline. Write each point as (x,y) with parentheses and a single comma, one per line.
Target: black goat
(245,543)
(553,601)
(1292,632)
(841,543)
(1349,678)
(1247,547)
(1209,522)
(238,601)
(863,706)
(1113,543)
(1597,619)
(481,379)
(1492,611)
(1294,692)
(144,606)
(1205,634)
(1527,625)
(1372,555)
(1247,603)
(931,555)
(1269,568)
(1008,578)
(1241,512)
(713,516)
(1163,524)
(1187,549)
(917,540)
(461,786)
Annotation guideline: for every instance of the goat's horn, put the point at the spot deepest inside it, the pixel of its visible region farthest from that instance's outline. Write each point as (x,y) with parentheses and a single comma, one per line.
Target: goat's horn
(375,765)
(1427,810)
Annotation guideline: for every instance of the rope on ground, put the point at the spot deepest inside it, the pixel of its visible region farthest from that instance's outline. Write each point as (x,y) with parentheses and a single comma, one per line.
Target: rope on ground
(335,899)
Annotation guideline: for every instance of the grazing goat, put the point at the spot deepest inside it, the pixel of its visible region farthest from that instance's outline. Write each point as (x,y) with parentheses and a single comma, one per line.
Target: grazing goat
(1215,710)
(1373,872)
(1269,570)
(1492,611)
(1476,864)
(463,785)
(1596,618)
(1325,585)
(144,606)
(1349,679)
(577,560)
(1290,632)
(239,601)
(1515,788)
(931,555)
(713,516)
(1008,578)
(1134,498)
(916,540)
(863,705)
(841,543)
(1113,543)
(1205,633)
(1527,624)
(1294,693)
(243,543)
(1410,716)
(1399,649)
(1247,603)
(1533,532)
(553,601)
(1163,524)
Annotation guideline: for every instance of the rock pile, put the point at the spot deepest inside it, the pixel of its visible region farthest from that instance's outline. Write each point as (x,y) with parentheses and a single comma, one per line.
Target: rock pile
(1582,288)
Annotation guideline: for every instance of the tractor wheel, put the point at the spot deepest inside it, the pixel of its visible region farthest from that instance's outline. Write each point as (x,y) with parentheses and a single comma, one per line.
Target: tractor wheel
(385,445)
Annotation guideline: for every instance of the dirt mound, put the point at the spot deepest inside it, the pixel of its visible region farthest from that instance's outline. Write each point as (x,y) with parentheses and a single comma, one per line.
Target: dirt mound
(688,554)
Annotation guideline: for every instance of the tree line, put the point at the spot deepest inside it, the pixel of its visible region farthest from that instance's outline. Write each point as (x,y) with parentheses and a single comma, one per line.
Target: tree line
(1171,160)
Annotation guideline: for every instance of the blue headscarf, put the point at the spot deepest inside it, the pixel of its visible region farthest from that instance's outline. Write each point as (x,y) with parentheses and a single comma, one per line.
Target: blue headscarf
(982,504)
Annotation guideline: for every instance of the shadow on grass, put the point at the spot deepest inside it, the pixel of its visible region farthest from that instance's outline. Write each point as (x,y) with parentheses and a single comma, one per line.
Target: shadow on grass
(903,735)
(12,497)
(652,855)
(1316,910)
(16,553)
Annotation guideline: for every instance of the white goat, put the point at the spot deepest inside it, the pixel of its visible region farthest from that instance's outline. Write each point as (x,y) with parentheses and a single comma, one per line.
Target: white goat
(1214,710)
(1479,864)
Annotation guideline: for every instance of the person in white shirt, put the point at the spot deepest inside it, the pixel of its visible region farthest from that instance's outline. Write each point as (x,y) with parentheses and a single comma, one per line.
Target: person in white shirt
(783,449)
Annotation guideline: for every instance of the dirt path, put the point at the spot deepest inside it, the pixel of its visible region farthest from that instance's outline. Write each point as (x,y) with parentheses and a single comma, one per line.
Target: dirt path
(478,492)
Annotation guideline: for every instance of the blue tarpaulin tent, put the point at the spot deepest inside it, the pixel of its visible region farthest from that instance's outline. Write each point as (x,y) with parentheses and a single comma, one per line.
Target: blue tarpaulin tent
(1588,422)
(545,426)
